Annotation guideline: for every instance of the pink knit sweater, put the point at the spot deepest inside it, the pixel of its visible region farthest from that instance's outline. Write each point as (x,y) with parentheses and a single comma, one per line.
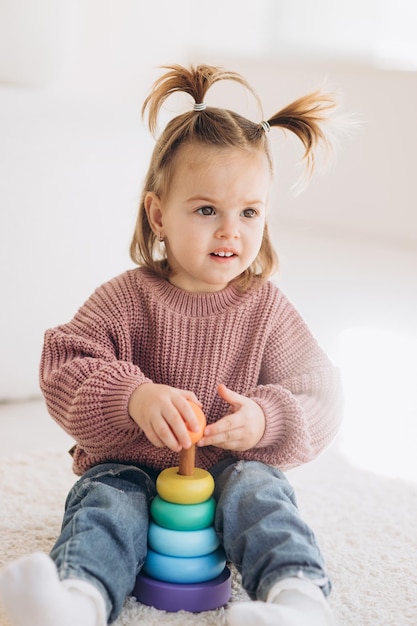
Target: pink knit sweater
(138,327)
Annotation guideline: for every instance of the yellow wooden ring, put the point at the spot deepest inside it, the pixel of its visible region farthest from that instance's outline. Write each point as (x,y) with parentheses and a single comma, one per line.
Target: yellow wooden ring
(174,487)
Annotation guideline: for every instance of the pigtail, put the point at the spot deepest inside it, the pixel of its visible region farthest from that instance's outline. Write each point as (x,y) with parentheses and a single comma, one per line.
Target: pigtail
(307,118)
(194,81)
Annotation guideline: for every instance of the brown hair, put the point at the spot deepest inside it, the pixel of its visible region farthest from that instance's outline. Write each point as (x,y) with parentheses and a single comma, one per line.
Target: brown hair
(220,128)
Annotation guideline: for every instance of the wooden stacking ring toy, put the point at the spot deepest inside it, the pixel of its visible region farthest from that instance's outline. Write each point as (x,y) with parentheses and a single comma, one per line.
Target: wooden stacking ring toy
(185,566)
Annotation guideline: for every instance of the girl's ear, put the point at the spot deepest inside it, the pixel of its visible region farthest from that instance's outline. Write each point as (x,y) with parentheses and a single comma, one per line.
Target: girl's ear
(153,210)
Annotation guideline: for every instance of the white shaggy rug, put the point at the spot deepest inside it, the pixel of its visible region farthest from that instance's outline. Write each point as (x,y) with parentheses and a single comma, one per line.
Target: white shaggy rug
(366,526)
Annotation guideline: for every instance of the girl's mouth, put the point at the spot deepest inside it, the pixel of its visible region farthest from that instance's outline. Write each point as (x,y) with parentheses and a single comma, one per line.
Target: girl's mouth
(223,254)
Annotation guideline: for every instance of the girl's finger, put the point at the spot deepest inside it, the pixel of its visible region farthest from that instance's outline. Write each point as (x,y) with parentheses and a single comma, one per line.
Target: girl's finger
(173,430)
(192,415)
(190,395)
(231,397)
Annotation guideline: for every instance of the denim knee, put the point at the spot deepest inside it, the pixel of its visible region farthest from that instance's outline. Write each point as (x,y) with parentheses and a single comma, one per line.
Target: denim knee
(104,533)
(128,477)
(244,475)
(259,525)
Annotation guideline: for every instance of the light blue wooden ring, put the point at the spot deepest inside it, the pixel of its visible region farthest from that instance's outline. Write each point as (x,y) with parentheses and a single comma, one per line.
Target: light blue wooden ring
(183,516)
(183,543)
(173,569)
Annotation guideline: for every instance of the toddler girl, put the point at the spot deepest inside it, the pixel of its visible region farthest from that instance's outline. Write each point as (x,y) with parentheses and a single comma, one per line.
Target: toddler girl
(198,320)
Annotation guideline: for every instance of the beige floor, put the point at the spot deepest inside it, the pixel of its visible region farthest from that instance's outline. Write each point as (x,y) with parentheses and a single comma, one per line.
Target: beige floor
(27,427)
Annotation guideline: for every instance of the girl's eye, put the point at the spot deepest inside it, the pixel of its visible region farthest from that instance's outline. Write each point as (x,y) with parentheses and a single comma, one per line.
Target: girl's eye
(206,210)
(249,213)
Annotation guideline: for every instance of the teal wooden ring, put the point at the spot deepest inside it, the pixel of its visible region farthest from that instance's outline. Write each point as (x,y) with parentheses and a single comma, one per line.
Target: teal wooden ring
(182,543)
(173,569)
(183,516)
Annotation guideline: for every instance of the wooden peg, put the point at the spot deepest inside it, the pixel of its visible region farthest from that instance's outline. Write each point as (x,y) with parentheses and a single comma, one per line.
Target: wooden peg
(187,461)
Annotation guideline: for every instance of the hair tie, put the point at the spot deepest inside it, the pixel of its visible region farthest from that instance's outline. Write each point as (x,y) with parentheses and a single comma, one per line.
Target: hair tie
(199,107)
(266,126)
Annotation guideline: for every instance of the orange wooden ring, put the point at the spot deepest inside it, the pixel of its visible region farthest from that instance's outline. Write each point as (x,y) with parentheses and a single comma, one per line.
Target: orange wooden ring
(197,435)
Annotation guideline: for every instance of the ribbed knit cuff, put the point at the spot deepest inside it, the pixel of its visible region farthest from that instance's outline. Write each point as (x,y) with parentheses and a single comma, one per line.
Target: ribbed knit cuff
(283,416)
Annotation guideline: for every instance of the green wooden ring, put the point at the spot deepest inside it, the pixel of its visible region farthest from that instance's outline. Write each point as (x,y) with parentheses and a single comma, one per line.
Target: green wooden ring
(183,516)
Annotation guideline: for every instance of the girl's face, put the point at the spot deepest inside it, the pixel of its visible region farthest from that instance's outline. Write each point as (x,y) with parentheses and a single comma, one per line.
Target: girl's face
(213,216)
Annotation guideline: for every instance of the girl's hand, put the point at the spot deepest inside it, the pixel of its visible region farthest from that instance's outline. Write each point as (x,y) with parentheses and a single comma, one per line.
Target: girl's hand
(241,429)
(163,412)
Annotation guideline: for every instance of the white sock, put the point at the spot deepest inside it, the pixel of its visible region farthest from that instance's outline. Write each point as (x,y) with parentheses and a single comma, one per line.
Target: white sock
(33,595)
(291,602)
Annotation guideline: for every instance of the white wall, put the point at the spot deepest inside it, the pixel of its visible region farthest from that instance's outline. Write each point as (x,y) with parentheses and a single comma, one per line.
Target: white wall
(73,152)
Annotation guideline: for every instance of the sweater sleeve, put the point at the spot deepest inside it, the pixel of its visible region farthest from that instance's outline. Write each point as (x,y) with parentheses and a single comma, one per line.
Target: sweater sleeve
(299,391)
(87,375)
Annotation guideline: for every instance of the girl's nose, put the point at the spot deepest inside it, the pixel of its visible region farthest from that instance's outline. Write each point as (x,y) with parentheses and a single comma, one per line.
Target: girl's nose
(228,229)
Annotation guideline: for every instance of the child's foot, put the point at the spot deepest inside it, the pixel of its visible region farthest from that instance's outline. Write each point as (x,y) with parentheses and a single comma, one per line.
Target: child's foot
(292,602)
(32,595)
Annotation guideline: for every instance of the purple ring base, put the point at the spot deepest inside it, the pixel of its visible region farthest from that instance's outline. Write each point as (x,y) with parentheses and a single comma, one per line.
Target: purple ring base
(191,597)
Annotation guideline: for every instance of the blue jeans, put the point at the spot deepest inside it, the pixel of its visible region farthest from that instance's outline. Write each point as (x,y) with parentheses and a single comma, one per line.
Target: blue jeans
(104,531)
